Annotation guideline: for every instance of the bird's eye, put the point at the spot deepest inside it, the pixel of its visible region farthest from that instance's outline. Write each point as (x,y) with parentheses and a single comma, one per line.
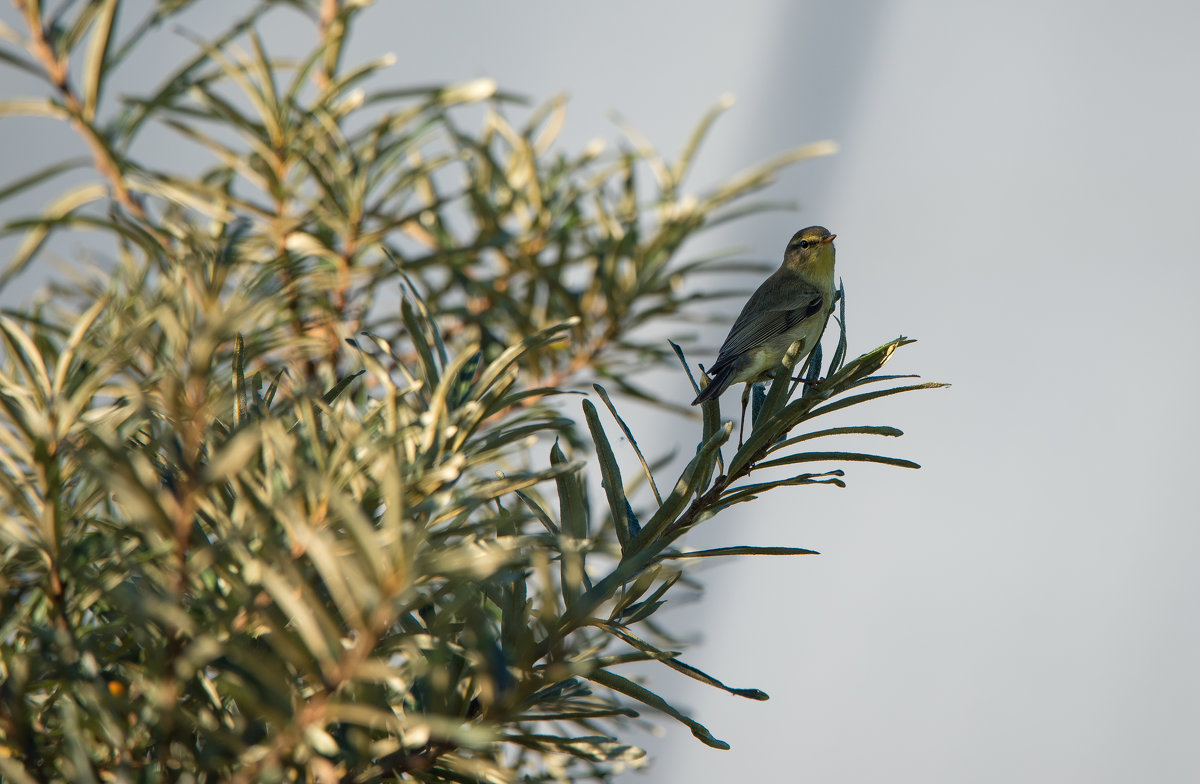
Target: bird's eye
(804,244)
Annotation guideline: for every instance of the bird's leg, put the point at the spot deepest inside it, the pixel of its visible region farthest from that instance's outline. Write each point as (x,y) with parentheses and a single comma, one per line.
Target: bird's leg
(812,367)
(745,400)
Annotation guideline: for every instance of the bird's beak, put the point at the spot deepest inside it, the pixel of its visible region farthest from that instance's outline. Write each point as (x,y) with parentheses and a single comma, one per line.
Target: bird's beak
(829,239)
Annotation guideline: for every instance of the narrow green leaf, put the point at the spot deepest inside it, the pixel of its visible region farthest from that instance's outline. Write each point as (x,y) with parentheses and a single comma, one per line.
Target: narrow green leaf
(870,430)
(610,471)
(261,89)
(693,477)
(94,69)
(542,516)
(241,402)
(579,715)
(501,437)
(762,175)
(426,317)
(684,164)
(703,677)
(839,354)
(670,659)
(484,492)
(813,373)
(551,334)
(810,457)
(636,392)
(742,493)
(66,33)
(878,378)
(758,396)
(26,352)
(33,107)
(644,609)
(309,618)
(729,213)
(853,400)
(645,153)
(417,336)
(335,392)
(42,175)
(803,407)
(384,346)
(572,502)
(710,413)
(683,361)
(555,113)
(448,95)
(339,91)
(646,697)
(572,574)
(866,364)
(67,354)
(741,550)
(439,410)
(181,79)
(635,525)
(22,64)
(632,441)
(269,398)
(634,591)
(54,215)
(463,380)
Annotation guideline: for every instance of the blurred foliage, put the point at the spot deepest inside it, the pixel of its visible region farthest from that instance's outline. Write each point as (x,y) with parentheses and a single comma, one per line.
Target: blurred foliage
(260,523)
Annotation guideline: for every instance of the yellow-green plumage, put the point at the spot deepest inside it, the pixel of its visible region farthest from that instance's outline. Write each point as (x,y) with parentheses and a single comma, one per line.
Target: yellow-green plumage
(793,304)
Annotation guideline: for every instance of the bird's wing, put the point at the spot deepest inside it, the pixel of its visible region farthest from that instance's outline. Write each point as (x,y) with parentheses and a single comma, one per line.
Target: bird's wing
(760,322)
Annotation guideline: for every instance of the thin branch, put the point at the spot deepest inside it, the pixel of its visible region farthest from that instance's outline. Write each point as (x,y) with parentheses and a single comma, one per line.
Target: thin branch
(57,70)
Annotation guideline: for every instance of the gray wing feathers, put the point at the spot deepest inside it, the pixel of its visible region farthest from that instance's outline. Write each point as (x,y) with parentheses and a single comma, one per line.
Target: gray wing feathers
(759,323)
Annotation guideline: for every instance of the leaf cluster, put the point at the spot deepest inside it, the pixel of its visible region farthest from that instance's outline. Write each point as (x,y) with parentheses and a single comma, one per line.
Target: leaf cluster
(343,186)
(259,523)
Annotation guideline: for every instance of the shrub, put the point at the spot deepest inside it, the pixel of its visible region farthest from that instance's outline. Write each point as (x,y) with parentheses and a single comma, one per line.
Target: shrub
(264,519)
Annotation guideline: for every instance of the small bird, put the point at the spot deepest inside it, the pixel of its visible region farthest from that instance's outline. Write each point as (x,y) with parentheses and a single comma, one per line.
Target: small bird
(791,305)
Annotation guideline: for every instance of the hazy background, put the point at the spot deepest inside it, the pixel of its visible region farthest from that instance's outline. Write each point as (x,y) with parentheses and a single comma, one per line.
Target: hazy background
(1017,188)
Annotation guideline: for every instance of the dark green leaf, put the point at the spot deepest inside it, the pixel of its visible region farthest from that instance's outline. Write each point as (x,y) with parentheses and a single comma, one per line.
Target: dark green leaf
(610,471)
(632,441)
(572,501)
(809,457)
(742,550)
(649,698)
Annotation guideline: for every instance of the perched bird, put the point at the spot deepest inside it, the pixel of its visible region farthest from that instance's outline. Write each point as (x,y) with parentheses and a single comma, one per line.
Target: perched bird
(791,305)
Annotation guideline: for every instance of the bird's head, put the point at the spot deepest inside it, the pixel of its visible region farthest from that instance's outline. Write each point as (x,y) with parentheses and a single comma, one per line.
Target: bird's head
(810,247)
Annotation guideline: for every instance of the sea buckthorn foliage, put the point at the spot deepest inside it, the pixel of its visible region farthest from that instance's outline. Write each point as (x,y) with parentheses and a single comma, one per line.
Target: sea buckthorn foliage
(291,491)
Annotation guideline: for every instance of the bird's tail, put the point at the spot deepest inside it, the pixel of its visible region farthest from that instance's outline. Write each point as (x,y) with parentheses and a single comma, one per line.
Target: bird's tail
(718,384)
